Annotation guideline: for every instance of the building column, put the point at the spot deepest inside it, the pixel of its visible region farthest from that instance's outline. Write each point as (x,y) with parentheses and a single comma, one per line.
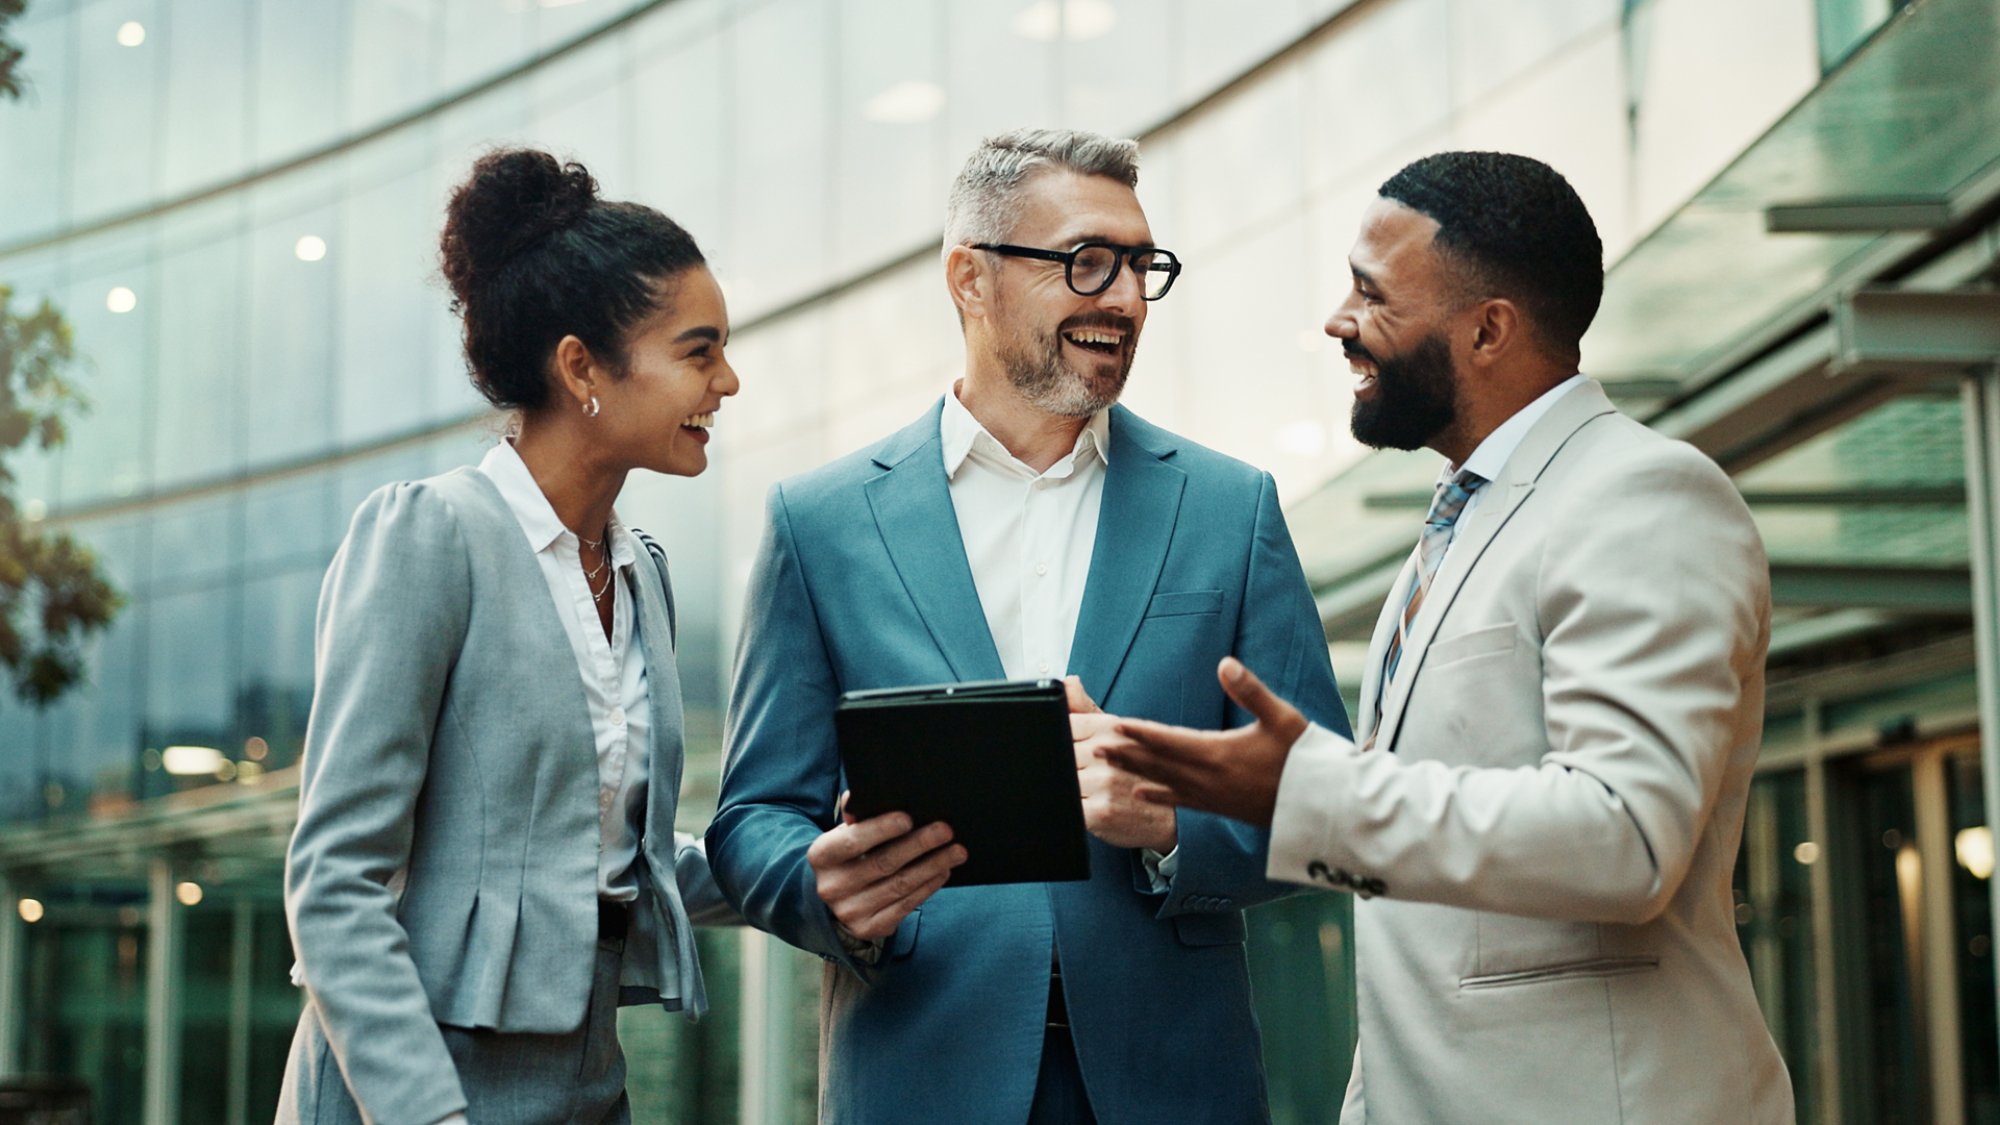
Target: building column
(11,941)
(160,1097)
(765,1043)
(242,948)
(1982,490)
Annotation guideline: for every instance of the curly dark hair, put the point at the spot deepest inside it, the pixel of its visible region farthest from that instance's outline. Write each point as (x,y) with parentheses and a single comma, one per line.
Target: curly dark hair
(532,255)
(1516,229)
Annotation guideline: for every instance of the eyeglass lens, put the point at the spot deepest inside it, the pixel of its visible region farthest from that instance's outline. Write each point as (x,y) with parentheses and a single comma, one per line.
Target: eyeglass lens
(1094,266)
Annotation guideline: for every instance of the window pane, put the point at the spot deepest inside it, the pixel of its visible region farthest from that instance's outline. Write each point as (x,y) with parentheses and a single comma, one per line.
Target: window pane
(32,130)
(290,321)
(106,452)
(300,61)
(197,417)
(207,112)
(115,125)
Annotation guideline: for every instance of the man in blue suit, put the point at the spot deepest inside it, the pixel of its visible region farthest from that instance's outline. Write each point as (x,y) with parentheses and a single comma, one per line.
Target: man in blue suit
(1024,527)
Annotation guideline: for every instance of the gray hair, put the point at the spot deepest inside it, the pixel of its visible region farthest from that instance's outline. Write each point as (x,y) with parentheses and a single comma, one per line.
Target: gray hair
(985,200)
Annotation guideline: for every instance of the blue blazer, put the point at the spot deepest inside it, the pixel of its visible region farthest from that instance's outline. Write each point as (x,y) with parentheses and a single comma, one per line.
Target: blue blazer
(862,582)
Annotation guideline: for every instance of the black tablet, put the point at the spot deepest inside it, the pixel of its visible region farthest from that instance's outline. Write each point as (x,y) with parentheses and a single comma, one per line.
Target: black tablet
(992,759)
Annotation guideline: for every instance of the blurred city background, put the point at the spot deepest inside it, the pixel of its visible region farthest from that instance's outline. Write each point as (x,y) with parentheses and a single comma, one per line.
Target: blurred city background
(233,205)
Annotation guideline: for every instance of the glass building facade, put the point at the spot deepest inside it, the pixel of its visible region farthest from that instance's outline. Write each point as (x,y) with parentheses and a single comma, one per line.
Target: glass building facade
(236,203)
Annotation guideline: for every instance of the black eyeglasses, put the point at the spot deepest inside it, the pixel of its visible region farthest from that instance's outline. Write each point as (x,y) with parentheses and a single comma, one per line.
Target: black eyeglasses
(1093,266)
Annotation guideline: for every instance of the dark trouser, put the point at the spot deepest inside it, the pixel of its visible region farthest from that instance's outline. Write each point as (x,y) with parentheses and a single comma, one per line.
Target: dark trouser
(1060,1098)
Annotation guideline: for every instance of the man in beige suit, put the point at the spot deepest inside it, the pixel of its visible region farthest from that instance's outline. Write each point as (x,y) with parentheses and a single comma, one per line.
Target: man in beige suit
(1561,710)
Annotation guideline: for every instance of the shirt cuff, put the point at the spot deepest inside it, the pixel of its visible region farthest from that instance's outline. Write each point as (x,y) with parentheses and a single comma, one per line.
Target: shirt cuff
(1161,868)
(861,949)
(455,1119)
(1304,796)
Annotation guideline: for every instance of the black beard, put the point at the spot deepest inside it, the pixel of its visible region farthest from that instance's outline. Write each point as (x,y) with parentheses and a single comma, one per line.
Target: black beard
(1415,396)
(1049,384)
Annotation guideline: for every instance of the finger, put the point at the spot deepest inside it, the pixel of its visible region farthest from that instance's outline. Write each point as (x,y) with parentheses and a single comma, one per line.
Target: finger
(1084,725)
(882,924)
(840,812)
(910,881)
(886,861)
(842,843)
(1080,702)
(1156,794)
(1249,692)
(1171,743)
(1143,761)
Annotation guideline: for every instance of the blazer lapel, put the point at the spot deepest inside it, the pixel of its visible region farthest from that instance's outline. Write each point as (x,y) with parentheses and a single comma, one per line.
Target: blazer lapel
(911,502)
(1135,525)
(663,683)
(1378,649)
(1497,505)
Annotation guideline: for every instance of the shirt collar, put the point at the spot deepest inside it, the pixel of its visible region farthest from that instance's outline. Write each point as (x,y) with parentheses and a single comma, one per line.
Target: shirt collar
(962,434)
(532,510)
(1491,457)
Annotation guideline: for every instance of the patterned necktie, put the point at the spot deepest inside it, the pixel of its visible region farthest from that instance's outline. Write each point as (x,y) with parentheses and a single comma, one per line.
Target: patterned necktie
(1453,493)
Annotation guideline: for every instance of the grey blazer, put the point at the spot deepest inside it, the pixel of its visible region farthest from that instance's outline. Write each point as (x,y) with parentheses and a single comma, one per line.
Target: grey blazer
(444,866)
(1547,843)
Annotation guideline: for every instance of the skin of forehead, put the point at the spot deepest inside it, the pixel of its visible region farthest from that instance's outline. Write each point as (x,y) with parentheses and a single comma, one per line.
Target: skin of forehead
(1064,208)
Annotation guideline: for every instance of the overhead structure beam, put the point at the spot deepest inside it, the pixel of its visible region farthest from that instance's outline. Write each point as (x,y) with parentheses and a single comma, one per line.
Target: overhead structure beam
(1915,334)
(1943,591)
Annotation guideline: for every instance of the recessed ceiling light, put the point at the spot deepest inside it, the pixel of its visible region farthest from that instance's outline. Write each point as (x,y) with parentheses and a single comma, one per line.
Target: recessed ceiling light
(131,33)
(906,103)
(310,248)
(121,300)
(1075,20)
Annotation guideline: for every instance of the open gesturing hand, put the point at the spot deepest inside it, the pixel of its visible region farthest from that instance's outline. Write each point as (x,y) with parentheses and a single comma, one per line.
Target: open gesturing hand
(1232,772)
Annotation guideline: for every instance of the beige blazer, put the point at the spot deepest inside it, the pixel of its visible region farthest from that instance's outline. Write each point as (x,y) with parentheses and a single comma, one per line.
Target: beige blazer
(1545,850)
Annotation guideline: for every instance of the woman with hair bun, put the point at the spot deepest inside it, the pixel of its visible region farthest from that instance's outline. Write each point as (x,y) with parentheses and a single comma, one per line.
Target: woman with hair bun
(485,864)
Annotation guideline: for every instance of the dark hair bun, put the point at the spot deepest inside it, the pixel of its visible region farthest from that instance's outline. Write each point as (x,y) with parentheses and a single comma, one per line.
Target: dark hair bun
(512,201)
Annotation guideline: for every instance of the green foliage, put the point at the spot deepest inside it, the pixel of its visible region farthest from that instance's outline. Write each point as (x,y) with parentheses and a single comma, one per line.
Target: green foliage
(10,53)
(52,595)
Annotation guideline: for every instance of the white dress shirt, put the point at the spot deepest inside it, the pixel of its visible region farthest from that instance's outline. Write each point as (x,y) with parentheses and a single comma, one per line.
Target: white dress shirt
(613,673)
(1029,537)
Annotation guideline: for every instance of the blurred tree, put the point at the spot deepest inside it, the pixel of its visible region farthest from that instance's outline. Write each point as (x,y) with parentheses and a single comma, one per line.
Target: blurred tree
(10,53)
(52,596)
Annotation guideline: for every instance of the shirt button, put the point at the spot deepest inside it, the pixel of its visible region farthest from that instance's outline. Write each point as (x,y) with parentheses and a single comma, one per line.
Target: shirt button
(1041,568)
(1045,667)
(618,716)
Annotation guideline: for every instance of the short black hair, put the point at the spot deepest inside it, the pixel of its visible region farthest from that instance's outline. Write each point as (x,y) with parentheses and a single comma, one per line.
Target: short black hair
(533,255)
(1518,230)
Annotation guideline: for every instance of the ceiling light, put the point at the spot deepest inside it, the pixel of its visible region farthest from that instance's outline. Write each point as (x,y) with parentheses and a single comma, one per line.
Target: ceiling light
(1807,853)
(1975,850)
(1075,20)
(131,33)
(310,248)
(121,300)
(191,761)
(31,910)
(189,894)
(906,103)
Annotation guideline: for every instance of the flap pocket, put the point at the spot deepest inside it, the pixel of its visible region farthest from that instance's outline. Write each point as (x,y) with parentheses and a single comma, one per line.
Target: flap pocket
(1484,641)
(1210,929)
(1181,603)
(904,941)
(1543,974)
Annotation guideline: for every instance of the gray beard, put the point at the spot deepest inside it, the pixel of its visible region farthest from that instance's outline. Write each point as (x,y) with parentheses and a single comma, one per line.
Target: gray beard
(1048,384)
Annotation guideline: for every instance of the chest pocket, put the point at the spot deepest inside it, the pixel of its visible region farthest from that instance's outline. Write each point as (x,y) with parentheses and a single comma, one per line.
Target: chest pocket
(1185,603)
